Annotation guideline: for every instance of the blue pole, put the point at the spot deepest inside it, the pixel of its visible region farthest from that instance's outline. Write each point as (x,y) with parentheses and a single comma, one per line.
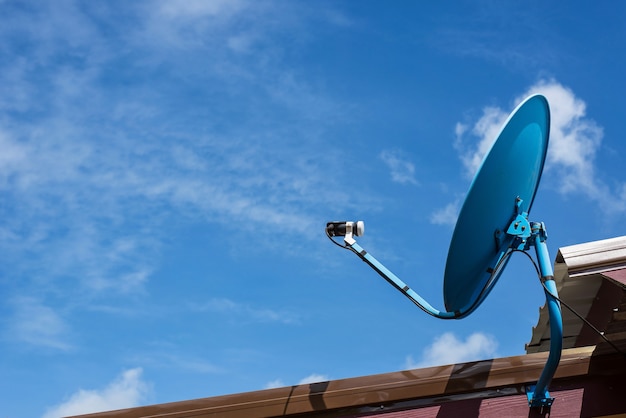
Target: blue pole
(539,396)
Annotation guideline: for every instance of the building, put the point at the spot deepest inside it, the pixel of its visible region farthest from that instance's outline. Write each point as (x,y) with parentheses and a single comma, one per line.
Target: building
(590,380)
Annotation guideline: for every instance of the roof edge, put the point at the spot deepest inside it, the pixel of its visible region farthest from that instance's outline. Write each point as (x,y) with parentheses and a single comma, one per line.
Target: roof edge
(433,382)
(593,257)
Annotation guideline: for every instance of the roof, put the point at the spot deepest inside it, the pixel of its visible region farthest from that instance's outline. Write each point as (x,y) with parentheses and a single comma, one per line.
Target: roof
(590,379)
(398,391)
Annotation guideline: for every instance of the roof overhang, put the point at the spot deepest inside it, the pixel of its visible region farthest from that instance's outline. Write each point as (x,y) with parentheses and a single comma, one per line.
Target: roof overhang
(590,278)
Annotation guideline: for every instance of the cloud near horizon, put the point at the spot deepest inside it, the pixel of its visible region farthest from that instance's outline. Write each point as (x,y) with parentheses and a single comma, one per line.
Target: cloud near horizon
(312,378)
(448,349)
(126,391)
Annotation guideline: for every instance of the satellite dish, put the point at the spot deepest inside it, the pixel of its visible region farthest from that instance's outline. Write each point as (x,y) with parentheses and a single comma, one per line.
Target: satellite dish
(504,186)
(492,224)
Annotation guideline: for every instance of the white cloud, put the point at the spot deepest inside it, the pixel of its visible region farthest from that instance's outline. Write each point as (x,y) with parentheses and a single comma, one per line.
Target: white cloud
(313,378)
(126,391)
(486,130)
(402,171)
(574,142)
(448,349)
(446,215)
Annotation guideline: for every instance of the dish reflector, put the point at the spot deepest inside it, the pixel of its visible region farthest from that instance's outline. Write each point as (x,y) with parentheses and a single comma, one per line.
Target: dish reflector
(512,169)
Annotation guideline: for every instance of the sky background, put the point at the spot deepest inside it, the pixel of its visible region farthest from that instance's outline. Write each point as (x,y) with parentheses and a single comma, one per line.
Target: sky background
(167,169)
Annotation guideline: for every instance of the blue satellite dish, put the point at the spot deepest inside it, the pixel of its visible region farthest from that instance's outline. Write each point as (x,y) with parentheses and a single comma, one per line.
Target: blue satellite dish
(492,224)
(511,170)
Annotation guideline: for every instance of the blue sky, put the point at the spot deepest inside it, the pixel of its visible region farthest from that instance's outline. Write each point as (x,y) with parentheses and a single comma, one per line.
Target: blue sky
(167,169)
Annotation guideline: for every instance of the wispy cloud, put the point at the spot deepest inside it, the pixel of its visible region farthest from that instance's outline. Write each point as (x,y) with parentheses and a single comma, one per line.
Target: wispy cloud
(448,349)
(482,32)
(198,8)
(184,25)
(126,391)
(92,151)
(402,170)
(174,357)
(37,324)
(245,312)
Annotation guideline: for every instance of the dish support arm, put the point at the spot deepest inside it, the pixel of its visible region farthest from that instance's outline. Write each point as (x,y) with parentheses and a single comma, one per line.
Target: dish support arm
(396,282)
